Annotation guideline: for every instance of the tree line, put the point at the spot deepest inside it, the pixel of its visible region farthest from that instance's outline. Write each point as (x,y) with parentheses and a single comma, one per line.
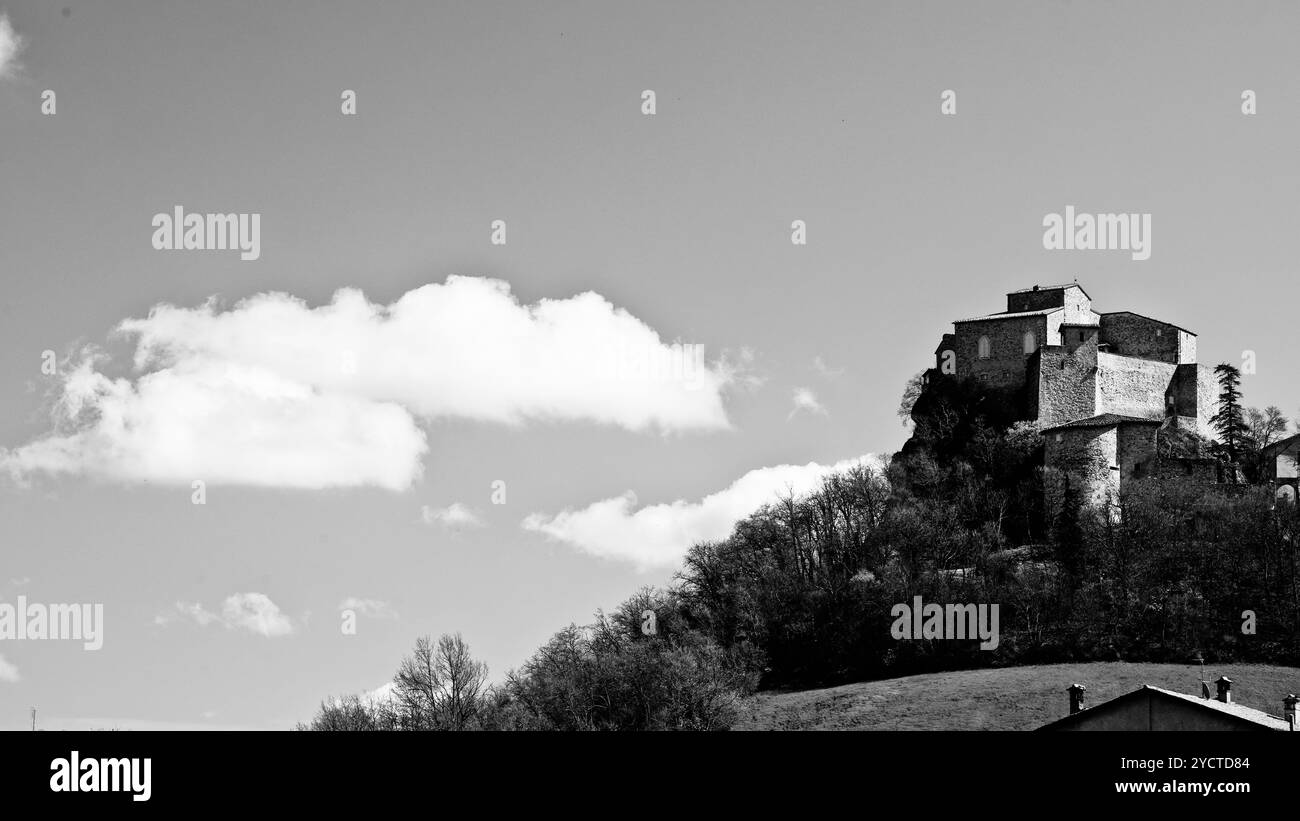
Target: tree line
(800,593)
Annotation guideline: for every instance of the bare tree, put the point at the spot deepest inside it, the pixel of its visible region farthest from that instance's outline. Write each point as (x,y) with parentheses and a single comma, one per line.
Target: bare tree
(464,682)
(440,687)
(417,685)
(1266,426)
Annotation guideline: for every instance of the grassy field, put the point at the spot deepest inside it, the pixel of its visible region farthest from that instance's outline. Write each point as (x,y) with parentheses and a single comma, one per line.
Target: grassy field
(1013,698)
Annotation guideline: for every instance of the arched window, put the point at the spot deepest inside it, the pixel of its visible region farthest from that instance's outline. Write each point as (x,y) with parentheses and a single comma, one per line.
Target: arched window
(986,349)
(1286,493)
(1031,342)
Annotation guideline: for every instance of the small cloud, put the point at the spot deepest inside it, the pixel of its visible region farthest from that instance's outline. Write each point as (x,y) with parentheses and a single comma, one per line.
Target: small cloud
(739,368)
(8,672)
(655,536)
(805,400)
(10,47)
(380,694)
(455,516)
(254,612)
(208,714)
(371,608)
(21,581)
(825,370)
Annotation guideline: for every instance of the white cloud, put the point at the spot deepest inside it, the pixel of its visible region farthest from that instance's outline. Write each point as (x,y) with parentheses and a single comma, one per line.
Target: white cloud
(805,400)
(659,535)
(372,608)
(455,516)
(10,47)
(8,672)
(380,694)
(825,370)
(272,392)
(254,612)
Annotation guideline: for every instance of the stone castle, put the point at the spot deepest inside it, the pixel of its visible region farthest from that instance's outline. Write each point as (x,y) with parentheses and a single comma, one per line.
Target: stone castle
(1104,388)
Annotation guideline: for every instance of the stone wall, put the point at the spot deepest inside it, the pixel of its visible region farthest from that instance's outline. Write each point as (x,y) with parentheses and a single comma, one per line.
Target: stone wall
(1071,298)
(1136,450)
(948,343)
(1005,367)
(1132,387)
(1194,397)
(1067,385)
(1083,457)
(1035,300)
(1133,335)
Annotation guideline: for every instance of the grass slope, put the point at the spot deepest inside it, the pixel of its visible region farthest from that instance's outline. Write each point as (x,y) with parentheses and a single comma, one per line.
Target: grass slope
(1008,698)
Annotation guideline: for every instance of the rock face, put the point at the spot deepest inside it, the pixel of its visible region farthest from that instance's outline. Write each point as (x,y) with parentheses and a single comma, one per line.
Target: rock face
(1100,386)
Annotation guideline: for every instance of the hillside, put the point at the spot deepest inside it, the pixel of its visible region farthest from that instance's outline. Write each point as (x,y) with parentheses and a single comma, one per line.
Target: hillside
(1011,698)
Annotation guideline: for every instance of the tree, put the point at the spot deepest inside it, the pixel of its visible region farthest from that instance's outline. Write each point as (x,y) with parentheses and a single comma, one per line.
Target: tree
(440,687)
(1266,426)
(1235,440)
(464,682)
(911,392)
(347,714)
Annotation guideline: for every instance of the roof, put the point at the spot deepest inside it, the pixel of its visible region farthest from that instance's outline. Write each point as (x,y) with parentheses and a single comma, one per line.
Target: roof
(1150,319)
(1239,712)
(1105,420)
(1005,315)
(1281,444)
(1052,288)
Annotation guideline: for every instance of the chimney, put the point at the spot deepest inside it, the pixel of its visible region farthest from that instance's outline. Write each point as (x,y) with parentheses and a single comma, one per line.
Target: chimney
(1076,692)
(1288,708)
(1225,689)
(1036,288)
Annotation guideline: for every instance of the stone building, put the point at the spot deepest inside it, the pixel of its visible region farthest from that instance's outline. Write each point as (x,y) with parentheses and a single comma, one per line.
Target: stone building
(1282,467)
(1102,387)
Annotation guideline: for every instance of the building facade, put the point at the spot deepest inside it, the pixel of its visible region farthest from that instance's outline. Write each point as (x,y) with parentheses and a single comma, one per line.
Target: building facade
(1282,468)
(1101,386)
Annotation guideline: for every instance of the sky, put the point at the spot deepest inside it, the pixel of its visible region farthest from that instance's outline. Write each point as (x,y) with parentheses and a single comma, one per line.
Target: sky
(392,415)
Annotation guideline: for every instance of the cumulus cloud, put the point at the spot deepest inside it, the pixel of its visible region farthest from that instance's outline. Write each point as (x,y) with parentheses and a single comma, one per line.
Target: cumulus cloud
(8,672)
(10,47)
(372,608)
(455,516)
(805,400)
(659,535)
(273,392)
(254,612)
